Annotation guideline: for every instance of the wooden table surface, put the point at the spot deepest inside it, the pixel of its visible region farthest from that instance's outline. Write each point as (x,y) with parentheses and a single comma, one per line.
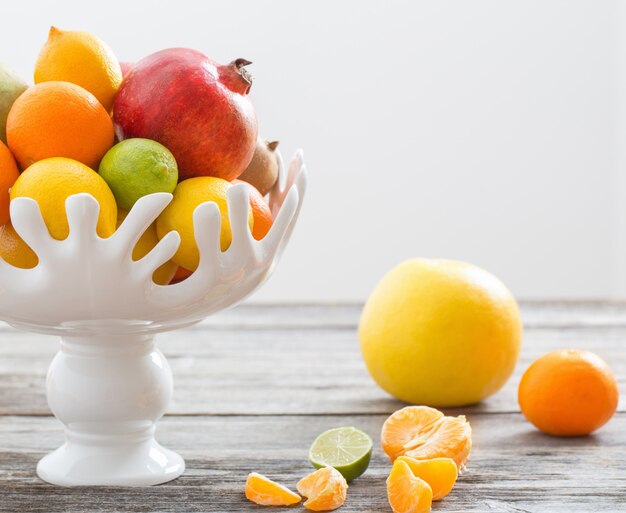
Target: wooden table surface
(255,385)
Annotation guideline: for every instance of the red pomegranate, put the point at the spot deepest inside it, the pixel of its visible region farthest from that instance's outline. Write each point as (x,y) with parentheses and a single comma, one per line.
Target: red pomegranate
(195,107)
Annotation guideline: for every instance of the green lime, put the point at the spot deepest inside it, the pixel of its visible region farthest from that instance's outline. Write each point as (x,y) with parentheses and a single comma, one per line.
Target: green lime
(348,449)
(136,167)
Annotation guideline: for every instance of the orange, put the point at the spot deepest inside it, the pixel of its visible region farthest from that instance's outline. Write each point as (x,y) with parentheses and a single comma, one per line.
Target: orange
(58,119)
(424,433)
(178,216)
(51,181)
(14,250)
(84,60)
(568,393)
(163,274)
(260,212)
(406,492)
(264,491)
(8,175)
(325,489)
(439,473)
(180,275)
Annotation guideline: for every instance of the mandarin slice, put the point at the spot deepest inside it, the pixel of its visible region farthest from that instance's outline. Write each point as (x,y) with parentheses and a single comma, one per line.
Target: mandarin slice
(406,492)
(264,491)
(325,489)
(425,433)
(439,473)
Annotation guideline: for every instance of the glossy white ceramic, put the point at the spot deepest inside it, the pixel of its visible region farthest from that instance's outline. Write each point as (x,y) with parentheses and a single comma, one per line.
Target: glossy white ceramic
(109,384)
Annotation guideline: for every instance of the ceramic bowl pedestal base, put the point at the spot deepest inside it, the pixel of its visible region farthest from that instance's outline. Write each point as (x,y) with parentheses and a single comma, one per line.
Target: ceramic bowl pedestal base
(109,393)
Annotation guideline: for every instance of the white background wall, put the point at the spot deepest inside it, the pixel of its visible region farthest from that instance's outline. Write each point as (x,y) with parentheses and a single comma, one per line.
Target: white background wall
(486,131)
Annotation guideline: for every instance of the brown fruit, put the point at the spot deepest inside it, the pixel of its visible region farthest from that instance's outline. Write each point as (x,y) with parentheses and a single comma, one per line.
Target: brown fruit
(262,172)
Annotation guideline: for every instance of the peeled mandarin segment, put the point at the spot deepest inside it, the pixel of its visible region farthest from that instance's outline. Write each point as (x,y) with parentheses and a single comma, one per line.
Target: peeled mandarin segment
(406,492)
(317,481)
(310,484)
(325,489)
(451,439)
(407,428)
(264,491)
(425,433)
(439,473)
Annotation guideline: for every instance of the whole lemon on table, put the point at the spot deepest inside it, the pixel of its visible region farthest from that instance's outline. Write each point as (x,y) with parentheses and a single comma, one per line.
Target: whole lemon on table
(440,332)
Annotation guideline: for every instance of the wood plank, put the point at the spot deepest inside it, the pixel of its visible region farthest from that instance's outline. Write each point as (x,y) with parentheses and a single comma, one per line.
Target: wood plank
(535,314)
(513,467)
(301,371)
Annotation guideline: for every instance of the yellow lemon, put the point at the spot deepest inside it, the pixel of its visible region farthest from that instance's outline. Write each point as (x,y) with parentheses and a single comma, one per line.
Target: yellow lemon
(164,274)
(178,216)
(51,181)
(82,59)
(440,333)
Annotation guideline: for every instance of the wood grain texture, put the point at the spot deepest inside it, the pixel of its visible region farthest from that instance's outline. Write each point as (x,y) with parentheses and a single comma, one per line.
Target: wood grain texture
(301,365)
(255,385)
(512,467)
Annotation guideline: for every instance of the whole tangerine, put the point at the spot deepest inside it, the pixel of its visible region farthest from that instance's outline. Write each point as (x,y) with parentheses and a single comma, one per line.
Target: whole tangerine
(8,175)
(568,393)
(59,119)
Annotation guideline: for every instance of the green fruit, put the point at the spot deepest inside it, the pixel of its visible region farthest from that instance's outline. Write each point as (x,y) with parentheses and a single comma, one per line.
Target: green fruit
(11,86)
(348,449)
(136,167)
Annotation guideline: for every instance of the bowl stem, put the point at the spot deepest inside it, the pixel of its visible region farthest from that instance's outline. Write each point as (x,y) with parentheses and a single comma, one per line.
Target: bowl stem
(109,391)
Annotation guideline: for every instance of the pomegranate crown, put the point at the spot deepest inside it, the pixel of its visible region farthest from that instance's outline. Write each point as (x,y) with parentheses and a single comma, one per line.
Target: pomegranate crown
(236,77)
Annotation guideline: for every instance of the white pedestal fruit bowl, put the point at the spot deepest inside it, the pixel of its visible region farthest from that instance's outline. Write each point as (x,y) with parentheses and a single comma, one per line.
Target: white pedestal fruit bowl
(109,384)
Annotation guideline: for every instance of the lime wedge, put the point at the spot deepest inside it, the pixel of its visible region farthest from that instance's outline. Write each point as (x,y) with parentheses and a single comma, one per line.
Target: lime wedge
(348,449)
